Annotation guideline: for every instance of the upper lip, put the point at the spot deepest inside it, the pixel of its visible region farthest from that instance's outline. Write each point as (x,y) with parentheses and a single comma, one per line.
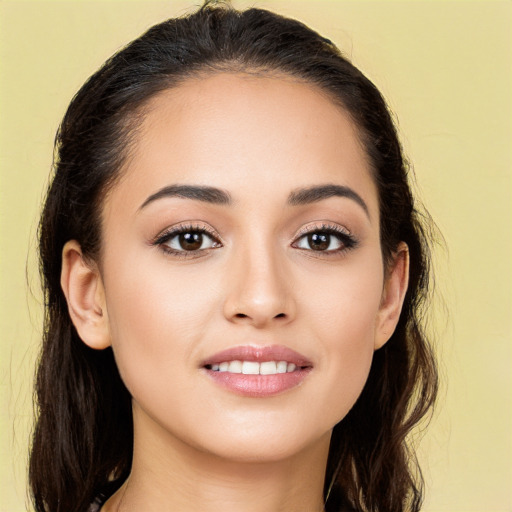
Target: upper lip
(258,354)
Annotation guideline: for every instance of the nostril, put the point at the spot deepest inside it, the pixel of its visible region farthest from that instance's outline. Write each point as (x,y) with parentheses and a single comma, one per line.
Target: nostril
(240,315)
(280,315)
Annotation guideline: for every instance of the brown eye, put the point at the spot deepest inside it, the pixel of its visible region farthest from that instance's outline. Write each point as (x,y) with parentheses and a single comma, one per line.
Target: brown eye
(190,241)
(328,240)
(319,241)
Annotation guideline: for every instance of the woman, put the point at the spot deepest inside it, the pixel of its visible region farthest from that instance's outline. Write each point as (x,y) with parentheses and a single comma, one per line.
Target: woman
(234,270)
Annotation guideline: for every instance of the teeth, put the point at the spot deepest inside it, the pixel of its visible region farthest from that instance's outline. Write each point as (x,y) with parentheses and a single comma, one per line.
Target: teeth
(282,366)
(235,367)
(250,368)
(268,368)
(254,368)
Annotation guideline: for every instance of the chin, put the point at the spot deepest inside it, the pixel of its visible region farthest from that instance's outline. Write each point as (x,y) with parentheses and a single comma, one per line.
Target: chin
(263,443)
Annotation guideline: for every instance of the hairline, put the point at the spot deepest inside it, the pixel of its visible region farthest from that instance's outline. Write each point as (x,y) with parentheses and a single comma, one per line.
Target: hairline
(133,114)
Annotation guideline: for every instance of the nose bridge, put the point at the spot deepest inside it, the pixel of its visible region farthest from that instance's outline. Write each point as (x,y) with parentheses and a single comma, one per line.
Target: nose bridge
(258,291)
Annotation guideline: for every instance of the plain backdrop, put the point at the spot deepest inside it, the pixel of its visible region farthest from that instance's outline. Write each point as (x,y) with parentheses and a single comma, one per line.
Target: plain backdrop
(445,69)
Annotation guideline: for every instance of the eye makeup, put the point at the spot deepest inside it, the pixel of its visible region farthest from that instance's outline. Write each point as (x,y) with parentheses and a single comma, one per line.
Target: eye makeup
(187,240)
(327,239)
(192,239)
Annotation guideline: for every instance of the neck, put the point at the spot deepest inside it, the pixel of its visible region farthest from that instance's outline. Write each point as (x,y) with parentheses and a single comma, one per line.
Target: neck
(168,475)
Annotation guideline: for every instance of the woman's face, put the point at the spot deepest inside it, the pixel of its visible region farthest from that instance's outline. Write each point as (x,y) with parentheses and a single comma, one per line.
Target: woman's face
(243,237)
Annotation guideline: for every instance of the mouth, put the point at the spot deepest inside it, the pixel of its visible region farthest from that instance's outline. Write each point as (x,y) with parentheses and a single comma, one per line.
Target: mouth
(254,367)
(257,371)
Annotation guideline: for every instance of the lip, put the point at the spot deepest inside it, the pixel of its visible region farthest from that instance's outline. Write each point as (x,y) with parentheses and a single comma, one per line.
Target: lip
(259,355)
(258,386)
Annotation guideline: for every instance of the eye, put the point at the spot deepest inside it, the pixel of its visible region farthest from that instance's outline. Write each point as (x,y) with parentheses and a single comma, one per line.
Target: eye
(187,239)
(319,241)
(325,239)
(190,241)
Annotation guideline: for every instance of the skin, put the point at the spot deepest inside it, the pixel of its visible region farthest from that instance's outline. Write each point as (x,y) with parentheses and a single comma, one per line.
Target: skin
(198,446)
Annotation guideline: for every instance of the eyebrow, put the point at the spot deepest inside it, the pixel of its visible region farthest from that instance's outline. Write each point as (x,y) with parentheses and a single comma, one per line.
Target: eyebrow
(215,195)
(197,192)
(318,193)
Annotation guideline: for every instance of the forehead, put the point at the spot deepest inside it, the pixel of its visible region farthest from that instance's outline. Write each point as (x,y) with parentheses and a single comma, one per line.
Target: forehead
(249,134)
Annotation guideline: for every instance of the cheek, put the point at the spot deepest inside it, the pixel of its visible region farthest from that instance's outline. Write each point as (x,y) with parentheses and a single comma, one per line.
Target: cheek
(343,303)
(156,317)
(161,319)
(344,320)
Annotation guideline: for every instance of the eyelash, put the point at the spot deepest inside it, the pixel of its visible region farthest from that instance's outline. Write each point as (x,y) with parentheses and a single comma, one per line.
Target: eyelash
(164,238)
(346,239)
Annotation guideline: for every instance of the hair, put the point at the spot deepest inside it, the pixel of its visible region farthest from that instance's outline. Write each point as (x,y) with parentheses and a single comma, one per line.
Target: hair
(82,442)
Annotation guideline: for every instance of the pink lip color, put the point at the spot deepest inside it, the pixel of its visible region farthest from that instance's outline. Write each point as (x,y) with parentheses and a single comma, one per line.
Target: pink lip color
(259,386)
(259,355)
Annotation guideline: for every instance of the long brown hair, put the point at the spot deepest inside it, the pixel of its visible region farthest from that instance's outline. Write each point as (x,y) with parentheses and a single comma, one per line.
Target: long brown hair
(82,443)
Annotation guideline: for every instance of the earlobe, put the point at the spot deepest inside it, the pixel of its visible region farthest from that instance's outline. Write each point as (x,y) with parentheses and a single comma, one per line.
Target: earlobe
(393,295)
(83,288)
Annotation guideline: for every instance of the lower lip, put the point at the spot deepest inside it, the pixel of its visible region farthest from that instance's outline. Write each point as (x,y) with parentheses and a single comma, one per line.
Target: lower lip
(259,386)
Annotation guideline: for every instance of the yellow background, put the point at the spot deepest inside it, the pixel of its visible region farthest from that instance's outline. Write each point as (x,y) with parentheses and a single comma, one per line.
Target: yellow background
(445,68)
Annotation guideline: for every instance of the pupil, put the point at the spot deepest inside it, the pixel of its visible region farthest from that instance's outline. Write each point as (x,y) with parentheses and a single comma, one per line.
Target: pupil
(319,241)
(191,241)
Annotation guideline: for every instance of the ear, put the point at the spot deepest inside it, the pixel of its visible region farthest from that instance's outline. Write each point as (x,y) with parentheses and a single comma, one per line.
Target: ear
(393,294)
(83,288)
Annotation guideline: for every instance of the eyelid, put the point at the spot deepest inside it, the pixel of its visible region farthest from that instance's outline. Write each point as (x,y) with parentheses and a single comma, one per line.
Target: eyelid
(170,232)
(348,240)
(322,226)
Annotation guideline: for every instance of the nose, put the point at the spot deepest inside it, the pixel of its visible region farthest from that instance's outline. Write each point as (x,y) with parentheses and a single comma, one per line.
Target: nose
(259,290)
